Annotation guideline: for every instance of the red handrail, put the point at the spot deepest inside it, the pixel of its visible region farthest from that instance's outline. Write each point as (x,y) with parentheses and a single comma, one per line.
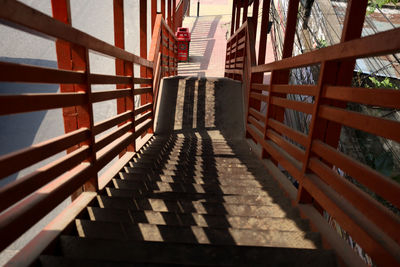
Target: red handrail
(28,199)
(310,158)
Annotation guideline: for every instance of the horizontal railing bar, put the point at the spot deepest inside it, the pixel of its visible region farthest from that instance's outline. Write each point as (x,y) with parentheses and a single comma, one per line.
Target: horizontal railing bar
(295,89)
(239,59)
(260,86)
(142,80)
(143,108)
(111,94)
(256,123)
(23,158)
(372,239)
(379,97)
(292,104)
(242,40)
(19,218)
(112,136)
(21,14)
(108,123)
(143,117)
(283,129)
(372,209)
(291,149)
(259,96)
(13,72)
(22,187)
(383,186)
(142,90)
(278,155)
(377,126)
(241,47)
(13,104)
(172,34)
(234,71)
(257,114)
(109,152)
(238,31)
(358,48)
(108,79)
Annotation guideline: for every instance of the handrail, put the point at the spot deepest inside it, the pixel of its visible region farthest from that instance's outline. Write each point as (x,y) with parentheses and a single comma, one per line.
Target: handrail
(309,158)
(28,199)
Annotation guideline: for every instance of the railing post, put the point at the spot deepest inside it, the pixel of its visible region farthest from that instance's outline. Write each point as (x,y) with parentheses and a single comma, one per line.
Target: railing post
(245,10)
(61,11)
(233,17)
(282,76)
(333,73)
(174,15)
(120,65)
(143,45)
(263,32)
(256,4)
(73,57)
(249,62)
(153,14)
(238,6)
(163,9)
(169,20)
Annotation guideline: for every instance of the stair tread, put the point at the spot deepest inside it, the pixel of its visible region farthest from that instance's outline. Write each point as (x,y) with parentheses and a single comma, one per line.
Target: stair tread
(186,206)
(51,261)
(190,180)
(196,234)
(201,254)
(160,186)
(272,197)
(196,219)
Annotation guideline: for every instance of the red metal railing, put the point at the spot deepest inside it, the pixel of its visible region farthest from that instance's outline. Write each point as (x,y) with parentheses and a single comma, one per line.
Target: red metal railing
(311,158)
(28,199)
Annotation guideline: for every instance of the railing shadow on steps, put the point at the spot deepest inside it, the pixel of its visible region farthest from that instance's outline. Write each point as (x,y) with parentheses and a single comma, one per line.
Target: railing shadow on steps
(312,159)
(202,161)
(28,199)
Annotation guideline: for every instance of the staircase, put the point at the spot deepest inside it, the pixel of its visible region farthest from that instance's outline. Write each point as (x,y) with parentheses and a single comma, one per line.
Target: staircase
(193,195)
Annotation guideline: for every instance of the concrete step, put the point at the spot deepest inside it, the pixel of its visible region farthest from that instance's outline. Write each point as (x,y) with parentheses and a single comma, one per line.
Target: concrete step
(51,261)
(195,219)
(185,166)
(188,173)
(196,165)
(197,235)
(272,197)
(187,206)
(188,187)
(201,254)
(196,159)
(192,180)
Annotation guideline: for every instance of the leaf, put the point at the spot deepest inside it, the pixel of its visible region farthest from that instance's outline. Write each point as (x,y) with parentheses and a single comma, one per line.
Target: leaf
(384,163)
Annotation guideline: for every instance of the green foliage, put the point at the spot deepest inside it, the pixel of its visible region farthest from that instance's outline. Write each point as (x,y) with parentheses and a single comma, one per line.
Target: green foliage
(385,83)
(373,4)
(321,43)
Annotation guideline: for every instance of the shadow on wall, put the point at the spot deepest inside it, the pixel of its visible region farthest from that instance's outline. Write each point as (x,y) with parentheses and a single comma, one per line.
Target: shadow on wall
(18,131)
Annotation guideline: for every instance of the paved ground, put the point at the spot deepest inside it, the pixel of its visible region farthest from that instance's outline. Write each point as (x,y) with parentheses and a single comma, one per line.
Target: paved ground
(210,32)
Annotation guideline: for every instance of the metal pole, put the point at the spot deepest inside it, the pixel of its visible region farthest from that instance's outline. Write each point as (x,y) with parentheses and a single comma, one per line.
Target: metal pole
(198,7)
